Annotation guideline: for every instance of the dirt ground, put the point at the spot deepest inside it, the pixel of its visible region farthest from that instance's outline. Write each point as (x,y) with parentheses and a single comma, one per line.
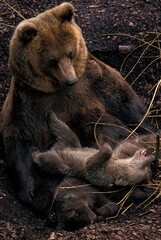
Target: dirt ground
(19,222)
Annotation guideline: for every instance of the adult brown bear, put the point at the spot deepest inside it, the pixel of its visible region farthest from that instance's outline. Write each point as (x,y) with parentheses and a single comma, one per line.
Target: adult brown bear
(52,70)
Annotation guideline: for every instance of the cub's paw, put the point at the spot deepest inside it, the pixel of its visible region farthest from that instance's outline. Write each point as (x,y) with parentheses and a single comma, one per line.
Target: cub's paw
(108,210)
(35,152)
(113,208)
(106,150)
(51,117)
(95,69)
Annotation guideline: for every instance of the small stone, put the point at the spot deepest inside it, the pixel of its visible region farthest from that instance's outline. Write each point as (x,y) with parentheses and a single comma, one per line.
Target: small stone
(131,24)
(125,49)
(135,12)
(52,236)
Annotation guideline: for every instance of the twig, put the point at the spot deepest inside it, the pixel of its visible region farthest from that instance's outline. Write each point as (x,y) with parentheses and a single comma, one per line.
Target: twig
(13,9)
(7,25)
(129,55)
(147,112)
(146,69)
(130,36)
(156,161)
(157,147)
(141,56)
(95,126)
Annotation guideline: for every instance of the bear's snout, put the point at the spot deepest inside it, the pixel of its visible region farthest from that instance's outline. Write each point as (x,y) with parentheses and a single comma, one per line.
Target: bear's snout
(72,81)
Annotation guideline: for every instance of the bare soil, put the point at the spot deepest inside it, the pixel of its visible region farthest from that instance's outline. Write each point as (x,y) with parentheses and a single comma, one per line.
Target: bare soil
(16,220)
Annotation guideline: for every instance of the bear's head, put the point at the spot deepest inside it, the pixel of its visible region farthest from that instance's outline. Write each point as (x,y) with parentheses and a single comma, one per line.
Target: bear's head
(48,51)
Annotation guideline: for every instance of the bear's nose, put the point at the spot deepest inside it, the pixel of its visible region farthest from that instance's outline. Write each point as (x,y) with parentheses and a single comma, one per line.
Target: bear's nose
(72,81)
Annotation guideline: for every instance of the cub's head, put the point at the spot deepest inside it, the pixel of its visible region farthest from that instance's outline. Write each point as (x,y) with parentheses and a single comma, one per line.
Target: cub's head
(74,214)
(136,169)
(141,159)
(48,52)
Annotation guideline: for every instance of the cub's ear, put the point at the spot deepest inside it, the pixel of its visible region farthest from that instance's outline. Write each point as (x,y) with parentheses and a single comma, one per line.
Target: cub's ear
(64,12)
(26,32)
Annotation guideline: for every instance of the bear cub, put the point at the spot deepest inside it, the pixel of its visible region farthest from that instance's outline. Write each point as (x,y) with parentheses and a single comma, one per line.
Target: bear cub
(76,204)
(102,167)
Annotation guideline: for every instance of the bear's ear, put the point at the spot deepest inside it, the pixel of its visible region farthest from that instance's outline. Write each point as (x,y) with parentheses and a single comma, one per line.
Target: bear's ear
(26,32)
(64,12)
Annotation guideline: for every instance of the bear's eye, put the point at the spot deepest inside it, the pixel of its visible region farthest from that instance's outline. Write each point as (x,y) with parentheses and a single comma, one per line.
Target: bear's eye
(71,55)
(53,63)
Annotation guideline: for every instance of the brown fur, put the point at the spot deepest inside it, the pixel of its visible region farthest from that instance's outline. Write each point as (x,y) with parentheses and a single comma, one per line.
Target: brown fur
(120,172)
(100,167)
(76,204)
(52,70)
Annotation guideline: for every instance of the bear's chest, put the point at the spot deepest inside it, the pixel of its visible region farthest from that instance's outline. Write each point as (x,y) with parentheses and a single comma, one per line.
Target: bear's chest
(72,104)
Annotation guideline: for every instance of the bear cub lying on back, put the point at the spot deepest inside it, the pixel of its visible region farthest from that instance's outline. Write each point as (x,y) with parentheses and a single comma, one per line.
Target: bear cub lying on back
(102,167)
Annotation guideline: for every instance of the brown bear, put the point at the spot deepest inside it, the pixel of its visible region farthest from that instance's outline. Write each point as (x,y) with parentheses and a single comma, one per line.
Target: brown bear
(52,70)
(76,204)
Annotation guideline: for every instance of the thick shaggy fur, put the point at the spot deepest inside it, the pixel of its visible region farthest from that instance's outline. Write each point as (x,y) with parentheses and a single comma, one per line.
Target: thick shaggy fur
(102,167)
(52,70)
(77,204)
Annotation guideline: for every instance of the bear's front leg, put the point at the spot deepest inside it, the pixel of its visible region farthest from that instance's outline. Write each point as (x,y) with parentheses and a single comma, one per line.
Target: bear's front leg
(19,162)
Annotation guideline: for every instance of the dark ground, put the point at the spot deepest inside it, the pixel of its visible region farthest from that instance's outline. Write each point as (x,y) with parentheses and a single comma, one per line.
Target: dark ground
(98,19)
